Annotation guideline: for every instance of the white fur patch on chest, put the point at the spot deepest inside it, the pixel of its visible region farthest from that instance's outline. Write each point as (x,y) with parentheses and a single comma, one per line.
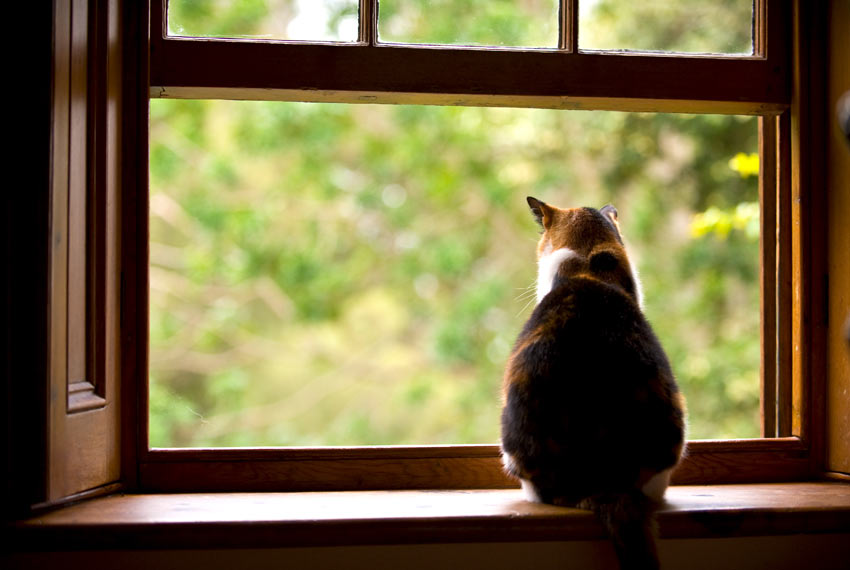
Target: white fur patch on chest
(547,268)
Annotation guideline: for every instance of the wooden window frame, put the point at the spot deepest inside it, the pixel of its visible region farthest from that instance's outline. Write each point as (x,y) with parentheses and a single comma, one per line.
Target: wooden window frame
(775,83)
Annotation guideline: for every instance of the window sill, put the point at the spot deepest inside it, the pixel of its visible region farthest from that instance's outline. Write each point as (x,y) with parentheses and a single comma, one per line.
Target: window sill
(272,520)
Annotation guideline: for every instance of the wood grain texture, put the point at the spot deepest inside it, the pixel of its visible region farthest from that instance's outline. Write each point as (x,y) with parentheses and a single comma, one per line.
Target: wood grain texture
(393,73)
(818,220)
(784,279)
(809,225)
(77,196)
(83,434)
(438,467)
(134,243)
(331,474)
(767,273)
(838,184)
(562,102)
(398,517)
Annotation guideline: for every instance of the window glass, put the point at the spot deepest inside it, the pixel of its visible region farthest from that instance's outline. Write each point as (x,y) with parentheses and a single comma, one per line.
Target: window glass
(685,26)
(317,20)
(327,274)
(527,23)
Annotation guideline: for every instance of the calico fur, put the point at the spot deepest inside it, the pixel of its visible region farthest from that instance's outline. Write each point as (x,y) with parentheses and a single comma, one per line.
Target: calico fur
(592,415)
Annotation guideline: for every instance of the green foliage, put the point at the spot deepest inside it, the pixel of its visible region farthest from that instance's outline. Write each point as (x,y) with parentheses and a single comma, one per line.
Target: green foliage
(264,19)
(695,26)
(356,274)
(531,23)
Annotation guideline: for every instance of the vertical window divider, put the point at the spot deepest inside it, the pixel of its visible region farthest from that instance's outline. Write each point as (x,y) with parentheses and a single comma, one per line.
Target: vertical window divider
(767,273)
(784,277)
(776,275)
(368,19)
(568,28)
(760,28)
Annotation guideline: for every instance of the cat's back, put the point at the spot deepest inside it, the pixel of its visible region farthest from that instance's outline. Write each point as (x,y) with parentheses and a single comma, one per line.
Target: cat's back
(590,399)
(588,352)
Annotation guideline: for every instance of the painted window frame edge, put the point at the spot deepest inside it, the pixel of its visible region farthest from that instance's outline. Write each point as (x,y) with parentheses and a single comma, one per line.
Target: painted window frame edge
(792,443)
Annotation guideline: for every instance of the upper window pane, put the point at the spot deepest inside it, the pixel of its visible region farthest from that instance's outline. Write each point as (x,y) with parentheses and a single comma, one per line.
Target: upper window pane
(308,20)
(684,26)
(515,23)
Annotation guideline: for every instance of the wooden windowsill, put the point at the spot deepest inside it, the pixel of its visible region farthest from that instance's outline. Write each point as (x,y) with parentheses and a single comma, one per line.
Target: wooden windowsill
(268,520)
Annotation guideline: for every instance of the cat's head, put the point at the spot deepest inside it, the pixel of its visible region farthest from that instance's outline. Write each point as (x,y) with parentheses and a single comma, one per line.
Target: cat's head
(582,241)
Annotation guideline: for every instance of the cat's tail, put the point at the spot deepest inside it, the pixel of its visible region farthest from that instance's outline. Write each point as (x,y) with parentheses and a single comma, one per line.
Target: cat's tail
(630,521)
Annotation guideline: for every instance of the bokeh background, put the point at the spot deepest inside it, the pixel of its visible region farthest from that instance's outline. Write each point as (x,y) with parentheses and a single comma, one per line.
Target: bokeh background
(328,274)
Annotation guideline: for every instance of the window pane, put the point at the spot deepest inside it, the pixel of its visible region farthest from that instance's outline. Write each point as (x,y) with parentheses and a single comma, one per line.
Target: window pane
(316,20)
(327,274)
(685,26)
(529,23)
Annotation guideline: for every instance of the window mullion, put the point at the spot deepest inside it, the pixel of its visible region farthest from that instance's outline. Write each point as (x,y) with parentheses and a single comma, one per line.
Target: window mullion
(368,18)
(767,274)
(784,281)
(568,29)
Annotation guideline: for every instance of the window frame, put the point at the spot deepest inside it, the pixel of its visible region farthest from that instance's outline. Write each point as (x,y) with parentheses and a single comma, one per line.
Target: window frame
(768,83)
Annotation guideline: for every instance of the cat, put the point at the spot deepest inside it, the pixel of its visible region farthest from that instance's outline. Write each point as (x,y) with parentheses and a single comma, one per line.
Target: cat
(592,416)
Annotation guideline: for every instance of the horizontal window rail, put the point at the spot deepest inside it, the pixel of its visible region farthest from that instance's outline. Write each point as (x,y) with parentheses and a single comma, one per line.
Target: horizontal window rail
(430,467)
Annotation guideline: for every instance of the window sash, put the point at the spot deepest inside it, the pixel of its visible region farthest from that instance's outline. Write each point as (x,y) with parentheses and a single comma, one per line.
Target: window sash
(456,75)
(567,79)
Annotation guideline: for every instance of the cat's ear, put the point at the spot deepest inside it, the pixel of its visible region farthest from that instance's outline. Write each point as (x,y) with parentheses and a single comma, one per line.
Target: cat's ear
(609,212)
(541,211)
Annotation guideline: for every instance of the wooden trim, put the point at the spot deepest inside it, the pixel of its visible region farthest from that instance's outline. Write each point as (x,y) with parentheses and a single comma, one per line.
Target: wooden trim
(435,467)
(767,273)
(471,100)
(368,22)
(837,476)
(460,75)
(760,28)
(776,275)
(275,520)
(60,154)
(569,26)
(134,239)
(93,493)
(815,114)
(808,223)
(837,184)
(784,278)
(77,189)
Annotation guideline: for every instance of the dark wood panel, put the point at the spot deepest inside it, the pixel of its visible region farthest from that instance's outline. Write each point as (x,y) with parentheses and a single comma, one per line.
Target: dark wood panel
(784,279)
(767,272)
(331,474)
(838,182)
(181,68)
(83,435)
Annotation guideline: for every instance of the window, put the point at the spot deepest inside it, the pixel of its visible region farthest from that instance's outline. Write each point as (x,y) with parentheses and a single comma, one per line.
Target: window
(77,451)
(563,78)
